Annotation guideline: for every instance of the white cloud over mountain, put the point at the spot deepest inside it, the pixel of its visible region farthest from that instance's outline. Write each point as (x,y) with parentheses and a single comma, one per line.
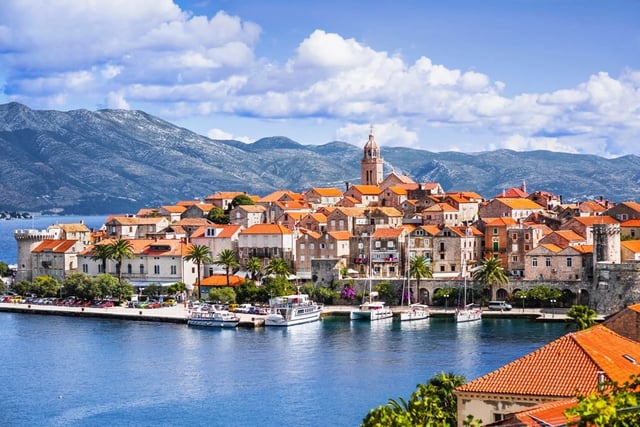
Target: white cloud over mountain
(151,55)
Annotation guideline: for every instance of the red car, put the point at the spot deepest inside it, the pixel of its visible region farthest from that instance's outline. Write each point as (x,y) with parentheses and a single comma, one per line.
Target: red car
(154,304)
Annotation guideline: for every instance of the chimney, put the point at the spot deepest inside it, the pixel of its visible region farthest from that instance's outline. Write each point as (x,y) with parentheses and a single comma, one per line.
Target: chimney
(347,185)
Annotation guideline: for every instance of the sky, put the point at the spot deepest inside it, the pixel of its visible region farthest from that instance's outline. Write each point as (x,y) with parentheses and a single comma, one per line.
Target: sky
(467,75)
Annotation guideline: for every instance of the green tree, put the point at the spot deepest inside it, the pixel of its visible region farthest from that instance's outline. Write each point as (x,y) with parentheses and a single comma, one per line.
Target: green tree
(45,286)
(419,269)
(254,266)
(543,293)
(583,316)
(278,267)
(610,405)
(102,252)
(223,295)
(199,254)
(490,274)
(247,292)
(241,199)
(218,216)
(22,287)
(385,291)
(432,404)
(227,258)
(177,287)
(104,286)
(78,285)
(4,268)
(119,250)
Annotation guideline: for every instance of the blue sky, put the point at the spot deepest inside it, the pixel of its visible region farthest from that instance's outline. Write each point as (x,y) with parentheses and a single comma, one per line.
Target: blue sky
(561,75)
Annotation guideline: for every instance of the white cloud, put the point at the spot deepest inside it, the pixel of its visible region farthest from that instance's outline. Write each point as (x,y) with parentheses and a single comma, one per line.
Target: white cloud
(115,100)
(219,134)
(389,134)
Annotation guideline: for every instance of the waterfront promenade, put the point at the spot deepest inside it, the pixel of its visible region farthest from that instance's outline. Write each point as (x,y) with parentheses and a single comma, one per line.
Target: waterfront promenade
(180,313)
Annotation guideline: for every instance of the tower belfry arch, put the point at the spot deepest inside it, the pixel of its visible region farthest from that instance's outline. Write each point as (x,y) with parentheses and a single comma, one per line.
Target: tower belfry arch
(371,165)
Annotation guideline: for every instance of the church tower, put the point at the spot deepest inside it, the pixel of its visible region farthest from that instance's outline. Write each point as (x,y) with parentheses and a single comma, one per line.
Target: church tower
(371,164)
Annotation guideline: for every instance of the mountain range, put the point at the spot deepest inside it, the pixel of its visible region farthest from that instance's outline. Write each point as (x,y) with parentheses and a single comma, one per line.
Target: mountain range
(118,161)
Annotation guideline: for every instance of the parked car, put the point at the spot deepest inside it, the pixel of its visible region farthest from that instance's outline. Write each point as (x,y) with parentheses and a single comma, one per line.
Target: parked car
(153,304)
(243,308)
(169,302)
(499,306)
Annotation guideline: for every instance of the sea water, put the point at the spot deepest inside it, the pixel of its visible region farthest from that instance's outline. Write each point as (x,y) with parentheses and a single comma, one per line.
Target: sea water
(65,371)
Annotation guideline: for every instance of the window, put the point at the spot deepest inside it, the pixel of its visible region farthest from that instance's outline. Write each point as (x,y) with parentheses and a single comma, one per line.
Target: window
(495,246)
(302,244)
(526,247)
(378,244)
(547,261)
(312,245)
(129,268)
(569,262)
(141,268)
(442,256)
(323,246)
(442,268)
(495,230)
(331,246)
(526,236)
(453,267)
(390,244)
(85,268)
(156,269)
(534,262)
(442,246)
(302,258)
(514,258)
(174,270)
(514,236)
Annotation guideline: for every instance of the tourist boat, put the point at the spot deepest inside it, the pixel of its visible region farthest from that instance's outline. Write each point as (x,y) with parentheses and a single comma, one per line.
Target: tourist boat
(371,310)
(292,310)
(213,319)
(415,312)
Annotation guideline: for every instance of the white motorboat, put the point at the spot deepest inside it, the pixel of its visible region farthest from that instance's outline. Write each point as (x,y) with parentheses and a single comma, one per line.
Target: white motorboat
(292,310)
(213,319)
(415,312)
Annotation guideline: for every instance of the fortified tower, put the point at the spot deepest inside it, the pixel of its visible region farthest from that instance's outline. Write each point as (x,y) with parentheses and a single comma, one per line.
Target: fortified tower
(371,165)
(27,240)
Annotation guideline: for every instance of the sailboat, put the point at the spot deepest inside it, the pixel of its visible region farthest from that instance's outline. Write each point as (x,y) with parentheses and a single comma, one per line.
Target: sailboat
(468,312)
(415,311)
(371,310)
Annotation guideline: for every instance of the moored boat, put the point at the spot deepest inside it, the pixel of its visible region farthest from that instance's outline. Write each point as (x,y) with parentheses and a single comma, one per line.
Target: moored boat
(415,312)
(371,310)
(468,313)
(292,310)
(213,319)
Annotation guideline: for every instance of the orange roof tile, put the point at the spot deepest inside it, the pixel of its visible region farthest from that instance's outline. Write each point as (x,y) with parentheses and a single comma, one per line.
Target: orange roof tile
(389,211)
(221,280)
(225,230)
(388,233)
(595,219)
(502,221)
(220,195)
(631,223)
(311,233)
(340,235)
(266,229)
(631,245)
(632,205)
(327,192)
(370,190)
(56,246)
(174,209)
(564,367)
(517,203)
(74,228)
(569,235)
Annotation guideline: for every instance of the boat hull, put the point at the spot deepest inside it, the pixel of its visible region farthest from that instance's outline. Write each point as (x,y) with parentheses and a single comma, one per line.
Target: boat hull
(415,312)
(213,320)
(279,320)
(468,316)
(371,312)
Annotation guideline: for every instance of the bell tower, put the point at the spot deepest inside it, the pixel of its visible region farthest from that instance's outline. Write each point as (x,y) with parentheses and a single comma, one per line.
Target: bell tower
(371,165)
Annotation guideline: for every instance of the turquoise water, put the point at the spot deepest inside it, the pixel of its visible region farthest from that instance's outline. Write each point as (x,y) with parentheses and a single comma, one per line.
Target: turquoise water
(64,371)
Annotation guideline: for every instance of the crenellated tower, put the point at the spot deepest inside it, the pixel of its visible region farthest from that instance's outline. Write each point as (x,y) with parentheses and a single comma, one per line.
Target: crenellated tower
(371,165)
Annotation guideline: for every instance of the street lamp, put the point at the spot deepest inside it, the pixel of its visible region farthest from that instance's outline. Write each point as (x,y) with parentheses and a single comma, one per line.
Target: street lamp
(553,302)
(523,297)
(446,300)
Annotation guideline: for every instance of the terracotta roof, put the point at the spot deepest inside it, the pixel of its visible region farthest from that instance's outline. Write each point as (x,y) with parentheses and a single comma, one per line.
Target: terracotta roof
(632,205)
(564,367)
(595,219)
(631,223)
(631,245)
(225,230)
(440,207)
(293,204)
(327,192)
(388,233)
(220,195)
(502,221)
(512,193)
(154,247)
(340,235)
(133,220)
(266,229)
(221,280)
(398,190)
(353,212)
(517,203)
(545,414)
(388,211)
(591,206)
(569,235)
(192,222)
(585,249)
(174,209)
(369,190)
(55,246)
(278,195)
(431,229)
(311,233)
(74,228)
(252,208)
(319,217)
(552,247)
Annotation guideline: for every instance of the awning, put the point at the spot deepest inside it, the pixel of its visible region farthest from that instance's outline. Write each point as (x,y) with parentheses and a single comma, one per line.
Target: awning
(142,284)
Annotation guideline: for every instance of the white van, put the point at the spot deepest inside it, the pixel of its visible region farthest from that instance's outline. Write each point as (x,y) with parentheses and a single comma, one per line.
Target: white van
(499,306)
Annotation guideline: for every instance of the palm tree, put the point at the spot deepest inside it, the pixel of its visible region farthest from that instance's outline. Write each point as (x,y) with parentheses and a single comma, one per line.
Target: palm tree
(101,253)
(584,316)
(278,267)
(119,250)
(419,268)
(254,266)
(200,254)
(490,273)
(227,257)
